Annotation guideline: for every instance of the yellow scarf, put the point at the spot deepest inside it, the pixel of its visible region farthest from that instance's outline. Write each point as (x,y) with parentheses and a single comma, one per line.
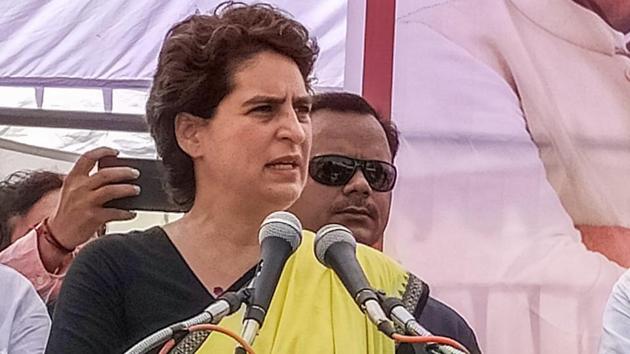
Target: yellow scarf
(312,313)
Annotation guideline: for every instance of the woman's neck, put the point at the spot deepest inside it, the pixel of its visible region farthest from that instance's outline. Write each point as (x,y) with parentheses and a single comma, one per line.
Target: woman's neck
(221,226)
(222,222)
(218,244)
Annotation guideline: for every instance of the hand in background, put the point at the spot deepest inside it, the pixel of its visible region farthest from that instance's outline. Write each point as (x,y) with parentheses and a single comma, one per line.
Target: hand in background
(80,212)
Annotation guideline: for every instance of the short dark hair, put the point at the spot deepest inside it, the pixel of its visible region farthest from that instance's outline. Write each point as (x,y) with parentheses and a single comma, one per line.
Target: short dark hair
(346,102)
(19,192)
(195,72)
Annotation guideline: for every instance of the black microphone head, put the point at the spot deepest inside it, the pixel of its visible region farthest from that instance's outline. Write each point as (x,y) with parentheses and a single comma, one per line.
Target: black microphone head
(284,225)
(329,235)
(280,235)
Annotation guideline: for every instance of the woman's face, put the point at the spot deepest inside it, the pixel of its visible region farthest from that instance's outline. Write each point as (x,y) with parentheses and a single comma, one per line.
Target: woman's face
(256,147)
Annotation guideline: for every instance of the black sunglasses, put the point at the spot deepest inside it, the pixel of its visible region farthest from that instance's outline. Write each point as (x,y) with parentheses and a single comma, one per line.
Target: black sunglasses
(337,170)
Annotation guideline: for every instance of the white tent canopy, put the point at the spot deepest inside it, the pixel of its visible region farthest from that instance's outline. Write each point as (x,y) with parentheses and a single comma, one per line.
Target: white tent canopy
(100,56)
(114,44)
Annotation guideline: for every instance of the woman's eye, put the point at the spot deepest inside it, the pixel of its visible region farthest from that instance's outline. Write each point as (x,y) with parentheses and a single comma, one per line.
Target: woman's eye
(262,109)
(303,112)
(303,109)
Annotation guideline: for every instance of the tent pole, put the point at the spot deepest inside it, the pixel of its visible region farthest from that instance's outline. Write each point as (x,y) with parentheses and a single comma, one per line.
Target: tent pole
(72,119)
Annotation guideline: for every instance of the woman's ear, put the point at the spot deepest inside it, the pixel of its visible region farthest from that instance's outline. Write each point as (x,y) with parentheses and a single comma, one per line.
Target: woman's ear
(188,129)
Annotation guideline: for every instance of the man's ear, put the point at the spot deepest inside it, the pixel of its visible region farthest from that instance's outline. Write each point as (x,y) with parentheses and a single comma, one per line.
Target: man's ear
(188,129)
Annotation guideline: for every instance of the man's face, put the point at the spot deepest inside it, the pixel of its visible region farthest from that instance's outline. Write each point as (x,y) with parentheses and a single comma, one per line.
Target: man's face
(355,204)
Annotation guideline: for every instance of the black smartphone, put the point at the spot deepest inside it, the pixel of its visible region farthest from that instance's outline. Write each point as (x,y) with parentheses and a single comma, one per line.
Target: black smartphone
(152,195)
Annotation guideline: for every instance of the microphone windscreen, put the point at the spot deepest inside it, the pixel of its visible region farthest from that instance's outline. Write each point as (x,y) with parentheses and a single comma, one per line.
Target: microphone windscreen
(284,225)
(329,235)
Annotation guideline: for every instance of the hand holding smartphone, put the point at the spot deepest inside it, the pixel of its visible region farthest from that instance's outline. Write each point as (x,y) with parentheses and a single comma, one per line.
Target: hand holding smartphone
(152,195)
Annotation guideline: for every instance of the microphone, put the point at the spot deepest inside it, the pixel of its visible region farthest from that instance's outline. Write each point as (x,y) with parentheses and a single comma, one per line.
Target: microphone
(225,305)
(403,318)
(335,248)
(395,310)
(280,234)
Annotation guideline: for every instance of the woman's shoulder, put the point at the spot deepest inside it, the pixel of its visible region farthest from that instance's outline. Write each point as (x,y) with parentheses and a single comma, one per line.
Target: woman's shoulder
(131,238)
(125,244)
(383,272)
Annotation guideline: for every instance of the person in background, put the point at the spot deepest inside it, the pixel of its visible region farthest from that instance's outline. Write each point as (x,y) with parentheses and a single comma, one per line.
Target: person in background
(351,178)
(536,58)
(519,109)
(45,217)
(24,322)
(616,329)
(27,197)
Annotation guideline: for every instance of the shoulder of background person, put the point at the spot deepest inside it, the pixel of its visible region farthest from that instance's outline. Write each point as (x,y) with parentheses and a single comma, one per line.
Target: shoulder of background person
(440,319)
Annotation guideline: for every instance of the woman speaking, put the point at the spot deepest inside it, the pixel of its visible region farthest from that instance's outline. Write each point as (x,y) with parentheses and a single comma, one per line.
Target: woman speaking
(229,113)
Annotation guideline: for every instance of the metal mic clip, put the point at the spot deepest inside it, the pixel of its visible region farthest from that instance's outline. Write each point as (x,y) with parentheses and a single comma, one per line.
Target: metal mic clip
(402,318)
(371,305)
(396,311)
(250,327)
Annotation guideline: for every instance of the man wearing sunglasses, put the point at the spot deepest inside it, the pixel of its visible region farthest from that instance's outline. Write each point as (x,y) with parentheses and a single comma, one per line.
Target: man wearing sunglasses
(351,174)
(351,178)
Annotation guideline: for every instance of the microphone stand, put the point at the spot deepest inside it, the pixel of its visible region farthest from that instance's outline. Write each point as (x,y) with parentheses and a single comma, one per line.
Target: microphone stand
(401,317)
(225,305)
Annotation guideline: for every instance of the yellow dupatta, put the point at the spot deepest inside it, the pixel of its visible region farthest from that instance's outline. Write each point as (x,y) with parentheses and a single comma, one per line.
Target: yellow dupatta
(312,313)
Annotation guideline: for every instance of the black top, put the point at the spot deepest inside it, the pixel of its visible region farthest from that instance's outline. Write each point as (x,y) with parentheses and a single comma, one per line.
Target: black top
(121,288)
